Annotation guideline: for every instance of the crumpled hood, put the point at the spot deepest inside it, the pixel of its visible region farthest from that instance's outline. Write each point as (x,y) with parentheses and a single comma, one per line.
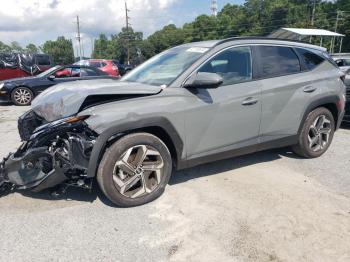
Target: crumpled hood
(64,100)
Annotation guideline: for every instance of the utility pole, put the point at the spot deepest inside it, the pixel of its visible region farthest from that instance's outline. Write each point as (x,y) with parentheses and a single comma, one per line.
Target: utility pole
(214,8)
(79,37)
(313,13)
(127,30)
(339,13)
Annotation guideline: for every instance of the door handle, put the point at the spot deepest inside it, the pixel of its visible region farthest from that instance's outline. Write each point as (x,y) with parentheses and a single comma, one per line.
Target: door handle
(309,89)
(249,101)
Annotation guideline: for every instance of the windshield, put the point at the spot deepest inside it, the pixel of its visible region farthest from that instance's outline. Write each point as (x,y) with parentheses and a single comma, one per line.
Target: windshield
(164,68)
(48,72)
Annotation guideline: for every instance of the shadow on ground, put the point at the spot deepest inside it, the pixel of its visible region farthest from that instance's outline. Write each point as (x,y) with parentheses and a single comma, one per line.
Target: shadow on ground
(3,103)
(78,194)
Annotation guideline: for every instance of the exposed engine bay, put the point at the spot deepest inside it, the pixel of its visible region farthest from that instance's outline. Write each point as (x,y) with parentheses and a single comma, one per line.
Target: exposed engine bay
(51,154)
(57,141)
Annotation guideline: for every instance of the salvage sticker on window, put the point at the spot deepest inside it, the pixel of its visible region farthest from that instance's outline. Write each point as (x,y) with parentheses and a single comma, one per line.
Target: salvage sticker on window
(197,49)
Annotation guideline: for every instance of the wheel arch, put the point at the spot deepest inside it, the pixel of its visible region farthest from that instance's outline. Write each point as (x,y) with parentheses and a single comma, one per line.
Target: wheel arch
(160,127)
(329,102)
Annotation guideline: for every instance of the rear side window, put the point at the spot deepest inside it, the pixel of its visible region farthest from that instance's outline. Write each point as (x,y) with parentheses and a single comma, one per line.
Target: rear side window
(88,72)
(310,59)
(234,65)
(278,60)
(95,64)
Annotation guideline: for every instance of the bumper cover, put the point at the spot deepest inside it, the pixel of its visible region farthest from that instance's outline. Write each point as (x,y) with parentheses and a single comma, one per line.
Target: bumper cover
(26,171)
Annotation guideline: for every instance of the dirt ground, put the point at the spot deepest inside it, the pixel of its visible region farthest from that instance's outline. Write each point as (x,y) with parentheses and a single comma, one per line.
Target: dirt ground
(268,206)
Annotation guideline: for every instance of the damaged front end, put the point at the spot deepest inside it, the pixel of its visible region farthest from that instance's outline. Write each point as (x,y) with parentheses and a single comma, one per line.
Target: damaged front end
(51,154)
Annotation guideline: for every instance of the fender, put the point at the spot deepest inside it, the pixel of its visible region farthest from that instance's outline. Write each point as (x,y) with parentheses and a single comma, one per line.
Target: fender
(332,99)
(103,139)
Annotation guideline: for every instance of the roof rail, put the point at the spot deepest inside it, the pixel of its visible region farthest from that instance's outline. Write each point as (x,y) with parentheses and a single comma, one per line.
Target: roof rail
(258,38)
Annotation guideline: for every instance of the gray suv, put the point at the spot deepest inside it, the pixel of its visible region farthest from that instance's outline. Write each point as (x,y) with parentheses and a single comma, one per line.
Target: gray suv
(189,105)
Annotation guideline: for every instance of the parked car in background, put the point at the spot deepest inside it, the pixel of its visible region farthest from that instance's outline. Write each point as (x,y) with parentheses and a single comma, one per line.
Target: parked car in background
(343,61)
(104,65)
(123,68)
(19,65)
(192,104)
(21,91)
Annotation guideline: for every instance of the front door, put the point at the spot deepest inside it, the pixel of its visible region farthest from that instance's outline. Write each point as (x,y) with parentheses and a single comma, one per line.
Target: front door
(227,117)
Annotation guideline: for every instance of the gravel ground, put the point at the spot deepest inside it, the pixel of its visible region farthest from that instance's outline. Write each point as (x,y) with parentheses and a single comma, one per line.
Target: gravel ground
(268,206)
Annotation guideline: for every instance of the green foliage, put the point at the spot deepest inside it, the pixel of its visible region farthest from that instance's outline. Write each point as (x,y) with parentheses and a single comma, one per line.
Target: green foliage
(61,50)
(32,49)
(254,17)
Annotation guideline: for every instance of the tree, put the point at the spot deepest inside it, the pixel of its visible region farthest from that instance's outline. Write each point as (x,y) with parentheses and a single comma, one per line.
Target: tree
(15,47)
(61,50)
(4,48)
(32,49)
(100,47)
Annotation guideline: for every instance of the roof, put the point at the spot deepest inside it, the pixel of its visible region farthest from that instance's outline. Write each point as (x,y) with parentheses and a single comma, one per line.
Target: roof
(298,33)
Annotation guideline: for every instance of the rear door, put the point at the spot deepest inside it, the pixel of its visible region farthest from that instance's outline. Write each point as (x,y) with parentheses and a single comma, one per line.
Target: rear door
(227,117)
(287,88)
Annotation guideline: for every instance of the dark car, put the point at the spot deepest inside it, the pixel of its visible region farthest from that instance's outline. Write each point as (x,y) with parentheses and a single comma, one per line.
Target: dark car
(21,91)
(123,68)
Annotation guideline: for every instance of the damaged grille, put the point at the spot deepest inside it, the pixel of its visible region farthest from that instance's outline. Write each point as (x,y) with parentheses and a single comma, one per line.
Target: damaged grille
(27,123)
(348,93)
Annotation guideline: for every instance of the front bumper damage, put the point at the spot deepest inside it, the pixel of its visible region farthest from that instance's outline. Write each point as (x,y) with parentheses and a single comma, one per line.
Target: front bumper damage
(51,154)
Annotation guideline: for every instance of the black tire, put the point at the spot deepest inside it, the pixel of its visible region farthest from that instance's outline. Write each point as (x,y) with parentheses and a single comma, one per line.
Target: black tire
(303,148)
(29,96)
(115,152)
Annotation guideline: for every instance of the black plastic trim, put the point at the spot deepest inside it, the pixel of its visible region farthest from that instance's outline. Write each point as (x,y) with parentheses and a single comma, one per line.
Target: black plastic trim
(322,101)
(102,140)
(283,142)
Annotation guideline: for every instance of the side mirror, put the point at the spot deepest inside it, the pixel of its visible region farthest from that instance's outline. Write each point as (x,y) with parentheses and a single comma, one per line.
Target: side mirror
(52,77)
(204,80)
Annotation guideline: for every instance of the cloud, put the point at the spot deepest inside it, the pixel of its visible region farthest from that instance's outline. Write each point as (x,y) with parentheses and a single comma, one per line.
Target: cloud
(36,21)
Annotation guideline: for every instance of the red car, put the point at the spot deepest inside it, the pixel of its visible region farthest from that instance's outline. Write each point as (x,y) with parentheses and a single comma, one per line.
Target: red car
(42,63)
(104,65)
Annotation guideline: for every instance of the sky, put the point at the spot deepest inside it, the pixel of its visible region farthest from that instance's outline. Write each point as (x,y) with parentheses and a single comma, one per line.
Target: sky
(36,21)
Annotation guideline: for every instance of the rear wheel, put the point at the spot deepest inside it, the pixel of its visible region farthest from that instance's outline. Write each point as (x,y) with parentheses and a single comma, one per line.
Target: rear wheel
(316,134)
(135,170)
(22,96)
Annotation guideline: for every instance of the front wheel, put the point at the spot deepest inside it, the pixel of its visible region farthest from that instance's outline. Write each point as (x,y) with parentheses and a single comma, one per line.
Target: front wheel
(135,170)
(22,96)
(316,134)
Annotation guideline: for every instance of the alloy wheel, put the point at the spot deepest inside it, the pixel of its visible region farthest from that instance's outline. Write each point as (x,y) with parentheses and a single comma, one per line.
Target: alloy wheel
(319,133)
(138,171)
(22,96)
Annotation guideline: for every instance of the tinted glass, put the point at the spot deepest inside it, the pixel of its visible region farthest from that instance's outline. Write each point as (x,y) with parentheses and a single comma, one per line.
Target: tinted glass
(310,59)
(278,60)
(43,60)
(233,65)
(95,64)
(87,72)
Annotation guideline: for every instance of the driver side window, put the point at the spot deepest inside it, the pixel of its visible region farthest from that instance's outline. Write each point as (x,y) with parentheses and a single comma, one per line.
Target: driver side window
(233,65)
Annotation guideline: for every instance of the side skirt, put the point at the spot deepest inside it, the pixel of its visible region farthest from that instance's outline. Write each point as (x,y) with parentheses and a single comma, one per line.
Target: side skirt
(195,161)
